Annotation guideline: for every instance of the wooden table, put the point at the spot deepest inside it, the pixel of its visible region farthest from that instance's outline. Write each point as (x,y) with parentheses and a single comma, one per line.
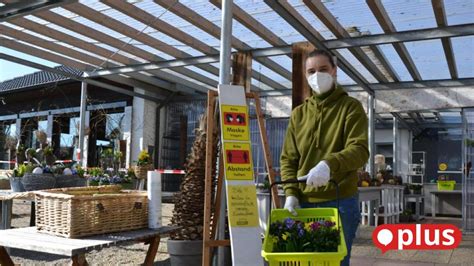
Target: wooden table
(434,197)
(29,239)
(6,199)
(369,198)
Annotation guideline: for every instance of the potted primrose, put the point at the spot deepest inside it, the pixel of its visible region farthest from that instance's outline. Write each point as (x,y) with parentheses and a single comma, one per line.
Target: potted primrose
(143,165)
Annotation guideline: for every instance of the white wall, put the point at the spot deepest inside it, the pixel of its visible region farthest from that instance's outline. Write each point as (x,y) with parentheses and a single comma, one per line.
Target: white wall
(143,124)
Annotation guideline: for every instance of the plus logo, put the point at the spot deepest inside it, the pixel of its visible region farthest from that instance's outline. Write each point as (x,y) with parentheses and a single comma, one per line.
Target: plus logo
(416,236)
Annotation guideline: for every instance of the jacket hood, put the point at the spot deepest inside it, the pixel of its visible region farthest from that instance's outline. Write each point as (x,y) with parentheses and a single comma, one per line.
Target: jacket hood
(334,94)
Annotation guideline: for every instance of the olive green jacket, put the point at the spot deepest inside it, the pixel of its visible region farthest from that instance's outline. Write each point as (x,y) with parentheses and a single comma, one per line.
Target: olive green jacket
(331,128)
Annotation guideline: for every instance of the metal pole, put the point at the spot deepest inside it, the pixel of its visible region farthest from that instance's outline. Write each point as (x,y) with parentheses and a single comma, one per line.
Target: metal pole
(395,146)
(371,107)
(82,123)
(224,78)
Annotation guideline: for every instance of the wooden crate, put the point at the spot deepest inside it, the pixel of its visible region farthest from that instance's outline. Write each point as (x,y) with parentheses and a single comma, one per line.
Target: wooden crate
(85,211)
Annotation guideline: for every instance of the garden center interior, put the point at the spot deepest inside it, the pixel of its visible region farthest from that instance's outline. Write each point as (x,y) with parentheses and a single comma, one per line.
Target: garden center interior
(114,78)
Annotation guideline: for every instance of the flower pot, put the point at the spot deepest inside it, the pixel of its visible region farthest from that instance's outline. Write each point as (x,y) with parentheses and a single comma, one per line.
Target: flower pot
(16,184)
(185,252)
(141,171)
(38,181)
(63,181)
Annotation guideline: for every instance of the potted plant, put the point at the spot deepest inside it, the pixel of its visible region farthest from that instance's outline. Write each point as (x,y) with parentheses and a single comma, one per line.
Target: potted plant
(15,178)
(405,216)
(415,189)
(185,246)
(143,165)
(94,174)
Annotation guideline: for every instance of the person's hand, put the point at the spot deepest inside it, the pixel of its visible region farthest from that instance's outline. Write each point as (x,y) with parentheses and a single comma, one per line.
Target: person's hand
(292,203)
(319,175)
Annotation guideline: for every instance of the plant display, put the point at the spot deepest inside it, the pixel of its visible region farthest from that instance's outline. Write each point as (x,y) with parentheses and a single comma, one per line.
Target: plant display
(364,179)
(297,236)
(143,158)
(96,176)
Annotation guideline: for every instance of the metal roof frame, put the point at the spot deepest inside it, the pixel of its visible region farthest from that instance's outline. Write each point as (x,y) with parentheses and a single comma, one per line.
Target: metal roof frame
(175,75)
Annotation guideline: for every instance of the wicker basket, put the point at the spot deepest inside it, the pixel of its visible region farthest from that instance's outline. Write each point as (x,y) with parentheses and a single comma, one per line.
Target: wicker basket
(63,181)
(38,181)
(86,211)
(141,171)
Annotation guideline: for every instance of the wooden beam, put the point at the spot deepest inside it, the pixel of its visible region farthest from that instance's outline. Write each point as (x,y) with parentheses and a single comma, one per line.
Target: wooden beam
(384,20)
(242,69)
(441,20)
(218,243)
(323,14)
(204,24)
(119,44)
(300,88)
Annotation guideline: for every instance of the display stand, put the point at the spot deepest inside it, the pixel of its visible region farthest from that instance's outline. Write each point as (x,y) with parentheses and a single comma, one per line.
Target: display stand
(212,206)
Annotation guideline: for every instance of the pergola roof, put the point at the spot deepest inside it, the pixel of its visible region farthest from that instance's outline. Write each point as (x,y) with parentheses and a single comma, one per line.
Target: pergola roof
(150,36)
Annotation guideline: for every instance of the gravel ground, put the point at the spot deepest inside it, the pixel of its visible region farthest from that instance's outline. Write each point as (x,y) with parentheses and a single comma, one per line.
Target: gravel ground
(131,254)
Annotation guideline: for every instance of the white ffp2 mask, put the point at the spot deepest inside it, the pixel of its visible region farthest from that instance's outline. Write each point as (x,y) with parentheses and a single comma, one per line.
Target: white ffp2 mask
(320,82)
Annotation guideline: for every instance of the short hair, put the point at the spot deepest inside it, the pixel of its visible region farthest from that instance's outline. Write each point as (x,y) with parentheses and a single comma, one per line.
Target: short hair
(325,53)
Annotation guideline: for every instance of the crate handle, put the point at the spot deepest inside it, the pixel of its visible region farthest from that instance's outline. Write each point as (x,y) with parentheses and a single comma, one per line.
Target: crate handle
(296,181)
(100,207)
(137,205)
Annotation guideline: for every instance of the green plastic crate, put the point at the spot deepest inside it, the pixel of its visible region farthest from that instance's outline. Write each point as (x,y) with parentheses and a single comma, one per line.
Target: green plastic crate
(446,185)
(305,258)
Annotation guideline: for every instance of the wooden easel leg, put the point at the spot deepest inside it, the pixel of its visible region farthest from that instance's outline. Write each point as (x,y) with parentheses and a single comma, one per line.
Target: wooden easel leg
(79,260)
(206,249)
(5,259)
(266,149)
(152,250)
(217,210)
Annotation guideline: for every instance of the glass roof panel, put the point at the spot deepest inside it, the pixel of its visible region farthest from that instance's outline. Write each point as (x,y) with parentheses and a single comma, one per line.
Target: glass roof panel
(464,57)
(429,59)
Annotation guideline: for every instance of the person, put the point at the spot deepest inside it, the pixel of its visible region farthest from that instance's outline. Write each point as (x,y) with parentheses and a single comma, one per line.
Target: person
(327,138)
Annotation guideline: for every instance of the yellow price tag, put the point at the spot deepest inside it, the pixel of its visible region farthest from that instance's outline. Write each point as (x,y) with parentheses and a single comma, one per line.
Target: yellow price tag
(443,167)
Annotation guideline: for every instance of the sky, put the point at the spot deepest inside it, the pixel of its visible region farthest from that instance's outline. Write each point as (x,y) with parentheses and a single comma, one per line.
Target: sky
(9,70)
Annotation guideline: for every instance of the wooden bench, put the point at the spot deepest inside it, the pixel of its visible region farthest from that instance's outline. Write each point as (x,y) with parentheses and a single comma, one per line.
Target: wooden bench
(29,239)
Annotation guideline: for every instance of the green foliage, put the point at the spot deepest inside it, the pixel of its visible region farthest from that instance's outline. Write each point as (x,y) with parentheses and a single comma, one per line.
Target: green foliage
(131,173)
(80,171)
(95,171)
(143,158)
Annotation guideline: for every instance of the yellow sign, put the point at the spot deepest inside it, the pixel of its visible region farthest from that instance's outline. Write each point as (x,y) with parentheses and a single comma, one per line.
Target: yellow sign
(235,122)
(238,161)
(443,167)
(242,201)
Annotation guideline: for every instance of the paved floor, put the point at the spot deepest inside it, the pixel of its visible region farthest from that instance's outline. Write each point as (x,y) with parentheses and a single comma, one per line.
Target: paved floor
(364,253)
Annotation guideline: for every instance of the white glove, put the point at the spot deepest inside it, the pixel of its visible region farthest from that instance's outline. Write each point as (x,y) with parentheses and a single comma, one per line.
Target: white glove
(292,203)
(318,176)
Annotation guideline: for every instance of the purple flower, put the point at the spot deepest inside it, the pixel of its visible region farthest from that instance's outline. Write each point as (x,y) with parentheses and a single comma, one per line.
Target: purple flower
(289,223)
(314,226)
(301,232)
(329,224)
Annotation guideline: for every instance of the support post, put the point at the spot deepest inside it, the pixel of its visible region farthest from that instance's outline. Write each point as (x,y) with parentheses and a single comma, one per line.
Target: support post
(371,111)
(300,88)
(82,124)
(224,78)
(242,70)
(395,147)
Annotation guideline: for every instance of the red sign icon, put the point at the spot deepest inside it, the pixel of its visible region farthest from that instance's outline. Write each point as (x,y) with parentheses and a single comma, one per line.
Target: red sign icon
(234,119)
(416,236)
(237,156)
